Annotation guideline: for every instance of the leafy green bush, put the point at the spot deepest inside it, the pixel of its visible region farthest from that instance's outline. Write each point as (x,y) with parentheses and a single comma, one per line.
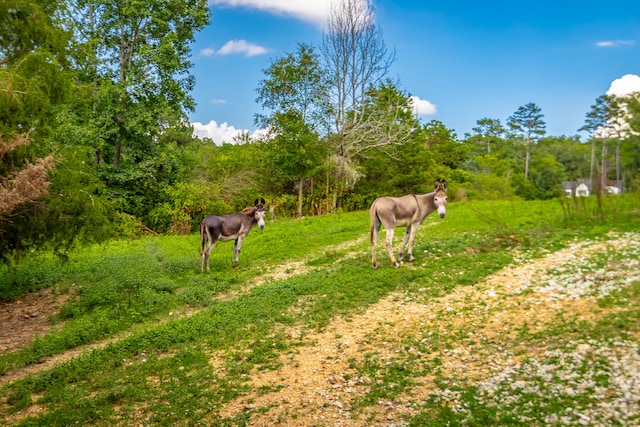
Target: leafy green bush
(489,187)
(189,203)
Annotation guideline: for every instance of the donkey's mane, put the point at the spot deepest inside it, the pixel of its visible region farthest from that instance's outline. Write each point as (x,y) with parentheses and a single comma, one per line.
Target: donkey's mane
(249,211)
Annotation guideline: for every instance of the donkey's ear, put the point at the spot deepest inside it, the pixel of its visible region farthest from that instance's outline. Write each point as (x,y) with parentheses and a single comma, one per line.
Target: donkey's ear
(262,201)
(444,185)
(256,202)
(436,185)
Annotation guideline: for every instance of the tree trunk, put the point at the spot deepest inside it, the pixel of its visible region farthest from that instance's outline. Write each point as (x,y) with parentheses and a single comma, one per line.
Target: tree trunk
(94,66)
(526,160)
(300,197)
(603,184)
(593,164)
(618,165)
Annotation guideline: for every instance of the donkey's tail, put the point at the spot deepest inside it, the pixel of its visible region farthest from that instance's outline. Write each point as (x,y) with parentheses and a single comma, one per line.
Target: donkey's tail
(375,222)
(203,236)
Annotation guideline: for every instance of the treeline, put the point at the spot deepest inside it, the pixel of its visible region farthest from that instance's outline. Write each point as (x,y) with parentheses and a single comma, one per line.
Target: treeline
(95,143)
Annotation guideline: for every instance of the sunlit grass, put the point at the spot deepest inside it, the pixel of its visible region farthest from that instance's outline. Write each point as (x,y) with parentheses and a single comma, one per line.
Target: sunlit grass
(166,321)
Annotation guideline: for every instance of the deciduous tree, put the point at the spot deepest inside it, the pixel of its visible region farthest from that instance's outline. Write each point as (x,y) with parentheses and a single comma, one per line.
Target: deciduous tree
(136,56)
(295,95)
(487,132)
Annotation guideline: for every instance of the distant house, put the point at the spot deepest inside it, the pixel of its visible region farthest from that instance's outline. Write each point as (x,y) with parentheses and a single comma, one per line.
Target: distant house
(577,188)
(615,187)
(583,187)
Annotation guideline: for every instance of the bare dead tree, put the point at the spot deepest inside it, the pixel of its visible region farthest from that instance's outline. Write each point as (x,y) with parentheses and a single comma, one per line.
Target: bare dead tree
(356,59)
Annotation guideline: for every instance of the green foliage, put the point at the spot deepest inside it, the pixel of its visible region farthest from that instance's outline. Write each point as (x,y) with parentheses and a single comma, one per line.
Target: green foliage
(295,85)
(487,134)
(29,275)
(573,155)
(489,187)
(295,93)
(414,166)
(524,188)
(188,203)
(295,153)
(527,122)
(547,175)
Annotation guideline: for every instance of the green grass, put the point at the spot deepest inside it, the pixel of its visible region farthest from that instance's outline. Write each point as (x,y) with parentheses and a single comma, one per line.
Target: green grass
(164,320)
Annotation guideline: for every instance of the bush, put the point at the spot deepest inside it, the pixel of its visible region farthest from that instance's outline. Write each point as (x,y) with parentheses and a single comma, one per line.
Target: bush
(489,187)
(189,203)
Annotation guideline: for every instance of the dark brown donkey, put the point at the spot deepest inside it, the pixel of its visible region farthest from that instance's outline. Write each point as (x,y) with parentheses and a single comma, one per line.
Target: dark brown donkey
(234,227)
(404,211)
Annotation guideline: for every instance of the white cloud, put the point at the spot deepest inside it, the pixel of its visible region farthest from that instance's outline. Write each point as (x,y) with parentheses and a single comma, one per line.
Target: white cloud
(221,133)
(314,11)
(629,83)
(619,127)
(422,107)
(218,101)
(207,52)
(241,46)
(615,43)
(218,133)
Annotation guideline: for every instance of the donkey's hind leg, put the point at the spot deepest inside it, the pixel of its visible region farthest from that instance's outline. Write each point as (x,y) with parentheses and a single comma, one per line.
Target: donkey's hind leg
(204,258)
(212,245)
(206,252)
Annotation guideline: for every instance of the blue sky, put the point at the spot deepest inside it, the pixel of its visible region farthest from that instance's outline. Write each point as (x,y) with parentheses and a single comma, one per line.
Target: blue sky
(463,60)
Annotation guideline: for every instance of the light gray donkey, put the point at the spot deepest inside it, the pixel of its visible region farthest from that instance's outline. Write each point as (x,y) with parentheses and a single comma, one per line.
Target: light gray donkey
(405,211)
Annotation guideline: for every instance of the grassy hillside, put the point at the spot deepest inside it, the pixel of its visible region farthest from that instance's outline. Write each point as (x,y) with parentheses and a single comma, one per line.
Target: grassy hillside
(304,332)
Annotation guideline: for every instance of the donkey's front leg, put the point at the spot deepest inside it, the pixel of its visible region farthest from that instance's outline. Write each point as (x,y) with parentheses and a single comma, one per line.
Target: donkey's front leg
(237,246)
(405,239)
(412,239)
